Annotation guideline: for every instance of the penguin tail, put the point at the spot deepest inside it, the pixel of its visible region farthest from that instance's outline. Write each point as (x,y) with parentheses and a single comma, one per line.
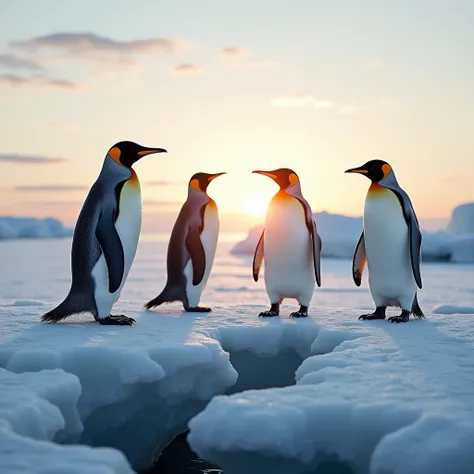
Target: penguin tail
(168,295)
(416,310)
(71,305)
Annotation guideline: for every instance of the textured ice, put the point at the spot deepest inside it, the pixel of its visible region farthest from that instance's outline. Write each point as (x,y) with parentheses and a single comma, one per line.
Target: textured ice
(345,386)
(31,227)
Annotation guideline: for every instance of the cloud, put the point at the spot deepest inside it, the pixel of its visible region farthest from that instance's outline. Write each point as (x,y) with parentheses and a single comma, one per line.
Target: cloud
(95,47)
(239,57)
(11,61)
(187,69)
(301,100)
(29,159)
(36,81)
(233,52)
(374,64)
(57,188)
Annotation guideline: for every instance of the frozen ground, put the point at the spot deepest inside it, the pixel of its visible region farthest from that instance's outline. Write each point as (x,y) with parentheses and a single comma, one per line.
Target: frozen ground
(369,396)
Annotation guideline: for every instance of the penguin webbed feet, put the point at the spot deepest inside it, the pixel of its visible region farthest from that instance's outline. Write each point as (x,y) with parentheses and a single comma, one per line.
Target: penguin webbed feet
(403,318)
(117,320)
(301,313)
(273,311)
(198,309)
(379,313)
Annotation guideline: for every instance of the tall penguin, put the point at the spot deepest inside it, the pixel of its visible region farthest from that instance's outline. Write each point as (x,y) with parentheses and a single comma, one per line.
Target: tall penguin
(390,244)
(105,238)
(192,247)
(290,244)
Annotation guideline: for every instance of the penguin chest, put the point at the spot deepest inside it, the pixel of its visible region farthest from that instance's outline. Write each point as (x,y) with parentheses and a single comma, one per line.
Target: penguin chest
(387,249)
(129,221)
(209,236)
(288,253)
(128,225)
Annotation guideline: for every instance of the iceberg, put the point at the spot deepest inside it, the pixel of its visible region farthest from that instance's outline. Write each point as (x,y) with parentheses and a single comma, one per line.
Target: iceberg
(32,228)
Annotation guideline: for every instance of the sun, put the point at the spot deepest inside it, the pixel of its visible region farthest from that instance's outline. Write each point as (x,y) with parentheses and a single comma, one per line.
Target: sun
(255,206)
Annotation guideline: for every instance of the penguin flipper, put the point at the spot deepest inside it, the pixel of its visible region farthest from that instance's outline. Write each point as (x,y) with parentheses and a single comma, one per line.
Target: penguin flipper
(359,261)
(317,245)
(258,257)
(197,254)
(414,233)
(111,246)
(313,231)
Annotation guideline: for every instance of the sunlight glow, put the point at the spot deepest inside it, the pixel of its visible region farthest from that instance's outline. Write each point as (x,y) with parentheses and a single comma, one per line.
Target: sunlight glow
(255,205)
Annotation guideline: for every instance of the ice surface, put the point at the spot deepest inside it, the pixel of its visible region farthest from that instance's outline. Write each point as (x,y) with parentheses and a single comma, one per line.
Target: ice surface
(31,227)
(340,235)
(462,219)
(134,388)
(453,309)
(37,408)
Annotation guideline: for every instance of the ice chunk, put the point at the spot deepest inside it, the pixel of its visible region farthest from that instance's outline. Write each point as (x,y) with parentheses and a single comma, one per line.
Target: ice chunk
(462,219)
(31,227)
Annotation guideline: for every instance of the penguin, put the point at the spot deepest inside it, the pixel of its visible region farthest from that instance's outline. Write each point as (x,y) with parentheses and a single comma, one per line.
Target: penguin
(105,238)
(191,248)
(390,245)
(290,245)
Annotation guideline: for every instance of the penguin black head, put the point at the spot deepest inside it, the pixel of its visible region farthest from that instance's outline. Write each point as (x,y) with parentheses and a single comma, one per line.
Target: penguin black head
(200,181)
(127,153)
(375,170)
(284,177)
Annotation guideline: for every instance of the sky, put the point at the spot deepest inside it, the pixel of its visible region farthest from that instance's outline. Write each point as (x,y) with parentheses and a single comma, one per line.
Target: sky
(316,86)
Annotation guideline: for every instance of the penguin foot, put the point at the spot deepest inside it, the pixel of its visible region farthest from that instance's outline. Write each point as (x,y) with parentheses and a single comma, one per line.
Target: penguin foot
(117,320)
(301,313)
(379,313)
(198,309)
(273,311)
(403,318)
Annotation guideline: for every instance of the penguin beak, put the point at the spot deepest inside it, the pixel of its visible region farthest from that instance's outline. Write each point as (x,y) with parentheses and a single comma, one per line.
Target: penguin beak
(265,173)
(150,151)
(356,170)
(214,176)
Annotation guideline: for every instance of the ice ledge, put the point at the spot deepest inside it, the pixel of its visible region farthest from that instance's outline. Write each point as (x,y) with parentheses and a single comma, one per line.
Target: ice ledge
(398,399)
(135,388)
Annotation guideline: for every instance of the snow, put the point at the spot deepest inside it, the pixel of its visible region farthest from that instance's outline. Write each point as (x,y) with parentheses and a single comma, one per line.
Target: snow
(453,309)
(31,227)
(349,393)
(340,235)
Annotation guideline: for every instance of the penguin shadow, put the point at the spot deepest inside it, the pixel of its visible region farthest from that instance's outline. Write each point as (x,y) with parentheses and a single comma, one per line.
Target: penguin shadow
(431,351)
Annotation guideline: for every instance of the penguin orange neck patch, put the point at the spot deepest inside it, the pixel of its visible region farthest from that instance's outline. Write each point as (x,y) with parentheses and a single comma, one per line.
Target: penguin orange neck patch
(115,153)
(134,179)
(375,188)
(293,179)
(195,184)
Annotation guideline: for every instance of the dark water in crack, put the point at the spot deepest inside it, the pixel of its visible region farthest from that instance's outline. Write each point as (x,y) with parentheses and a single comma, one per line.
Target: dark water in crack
(179,458)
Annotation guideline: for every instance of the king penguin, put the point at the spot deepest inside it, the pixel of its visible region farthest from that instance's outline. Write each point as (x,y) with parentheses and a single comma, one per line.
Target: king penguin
(290,245)
(390,245)
(191,248)
(105,238)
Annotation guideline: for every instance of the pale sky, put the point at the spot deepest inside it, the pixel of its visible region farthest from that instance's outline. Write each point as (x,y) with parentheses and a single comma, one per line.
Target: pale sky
(316,86)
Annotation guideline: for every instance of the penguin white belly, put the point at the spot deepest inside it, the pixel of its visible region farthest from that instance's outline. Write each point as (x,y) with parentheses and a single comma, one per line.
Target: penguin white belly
(209,238)
(128,225)
(288,252)
(391,278)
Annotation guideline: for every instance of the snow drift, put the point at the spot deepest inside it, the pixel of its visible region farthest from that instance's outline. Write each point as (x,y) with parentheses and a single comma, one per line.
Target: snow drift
(30,227)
